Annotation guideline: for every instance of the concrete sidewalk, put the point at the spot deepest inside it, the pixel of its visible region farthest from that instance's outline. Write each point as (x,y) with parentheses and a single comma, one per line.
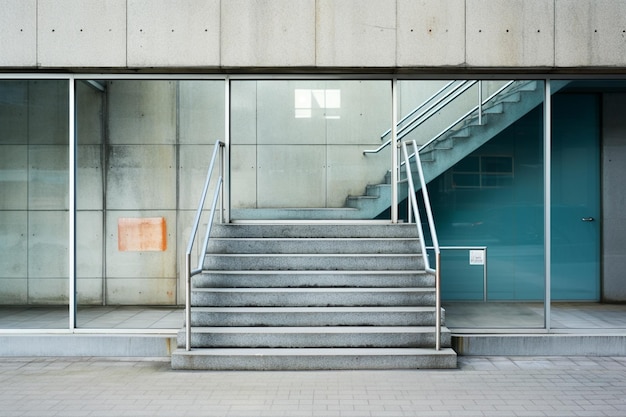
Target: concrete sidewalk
(491,386)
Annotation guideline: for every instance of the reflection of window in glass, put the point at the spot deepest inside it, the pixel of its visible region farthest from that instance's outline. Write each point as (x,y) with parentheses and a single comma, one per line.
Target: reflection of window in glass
(483,171)
(305,100)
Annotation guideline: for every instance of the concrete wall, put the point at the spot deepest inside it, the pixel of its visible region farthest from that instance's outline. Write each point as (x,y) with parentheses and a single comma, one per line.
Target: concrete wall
(309,34)
(613,197)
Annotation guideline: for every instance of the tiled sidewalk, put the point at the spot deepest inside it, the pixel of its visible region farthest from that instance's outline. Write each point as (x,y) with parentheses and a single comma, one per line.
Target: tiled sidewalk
(494,386)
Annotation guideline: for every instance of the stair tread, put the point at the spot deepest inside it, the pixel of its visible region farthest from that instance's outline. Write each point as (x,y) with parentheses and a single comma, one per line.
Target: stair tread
(316,272)
(317,329)
(340,309)
(315,289)
(312,239)
(317,255)
(316,351)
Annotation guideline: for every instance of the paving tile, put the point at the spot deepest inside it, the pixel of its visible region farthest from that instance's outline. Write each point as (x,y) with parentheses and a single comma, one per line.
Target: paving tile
(480,387)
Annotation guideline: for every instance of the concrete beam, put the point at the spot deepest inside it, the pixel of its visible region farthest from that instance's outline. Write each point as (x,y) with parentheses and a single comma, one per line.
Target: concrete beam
(173,33)
(77,33)
(18,33)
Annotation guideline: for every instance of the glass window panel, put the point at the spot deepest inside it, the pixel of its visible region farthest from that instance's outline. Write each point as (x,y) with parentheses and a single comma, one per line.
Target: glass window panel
(142,161)
(468,164)
(34,189)
(299,145)
(476,202)
(496,164)
(466,180)
(496,180)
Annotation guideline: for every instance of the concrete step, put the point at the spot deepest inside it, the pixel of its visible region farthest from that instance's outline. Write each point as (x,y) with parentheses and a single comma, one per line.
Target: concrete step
(311,297)
(597,342)
(313,245)
(312,337)
(494,109)
(287,279)
(314,316)
(377,189)
(273,261)
(315,230)
(513,97)
(298,214)
(314,359)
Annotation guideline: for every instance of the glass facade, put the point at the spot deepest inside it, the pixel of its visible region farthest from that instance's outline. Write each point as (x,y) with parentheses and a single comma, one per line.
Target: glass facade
(299,144)
(143,145)
(154,139)
(34,205)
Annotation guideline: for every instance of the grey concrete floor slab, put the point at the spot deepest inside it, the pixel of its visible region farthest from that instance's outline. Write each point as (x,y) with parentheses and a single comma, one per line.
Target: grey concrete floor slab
(481,386)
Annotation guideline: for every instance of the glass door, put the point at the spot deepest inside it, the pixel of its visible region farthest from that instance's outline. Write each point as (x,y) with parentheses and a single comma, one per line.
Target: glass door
(575,198)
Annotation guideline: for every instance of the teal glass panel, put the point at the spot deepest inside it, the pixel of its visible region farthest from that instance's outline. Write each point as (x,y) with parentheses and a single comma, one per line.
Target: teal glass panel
(460,278)
(493,197)
(469,164)
(504,215)
(576,197)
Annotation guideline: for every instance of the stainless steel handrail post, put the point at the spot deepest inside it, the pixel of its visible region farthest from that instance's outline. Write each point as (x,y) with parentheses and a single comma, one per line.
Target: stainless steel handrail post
(435,239)
(188,302)
(429,212)
(218,148)
(431,226)
(438,301)
(221,188)
(413,199)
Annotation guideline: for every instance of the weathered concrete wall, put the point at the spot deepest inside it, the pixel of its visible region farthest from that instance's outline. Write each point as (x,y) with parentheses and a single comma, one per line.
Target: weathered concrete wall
(310,34)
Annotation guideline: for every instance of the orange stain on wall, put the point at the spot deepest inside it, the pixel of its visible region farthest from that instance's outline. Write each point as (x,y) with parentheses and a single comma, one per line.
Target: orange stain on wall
(141,234)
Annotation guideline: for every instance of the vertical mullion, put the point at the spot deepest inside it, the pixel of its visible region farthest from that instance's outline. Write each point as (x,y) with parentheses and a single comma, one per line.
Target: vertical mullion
(394,151)
(547,157)
(72,202)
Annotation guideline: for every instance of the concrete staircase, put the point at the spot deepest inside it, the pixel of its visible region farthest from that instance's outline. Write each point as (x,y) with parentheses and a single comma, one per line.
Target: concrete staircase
(314,296)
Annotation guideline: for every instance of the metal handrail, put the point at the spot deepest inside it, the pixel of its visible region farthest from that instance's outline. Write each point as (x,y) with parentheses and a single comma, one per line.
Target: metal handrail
(431,226)
(418,108)
(442,102)
(472,110)
(217,195)
(447,99)
(415,123)
(477,107)
(470,248)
